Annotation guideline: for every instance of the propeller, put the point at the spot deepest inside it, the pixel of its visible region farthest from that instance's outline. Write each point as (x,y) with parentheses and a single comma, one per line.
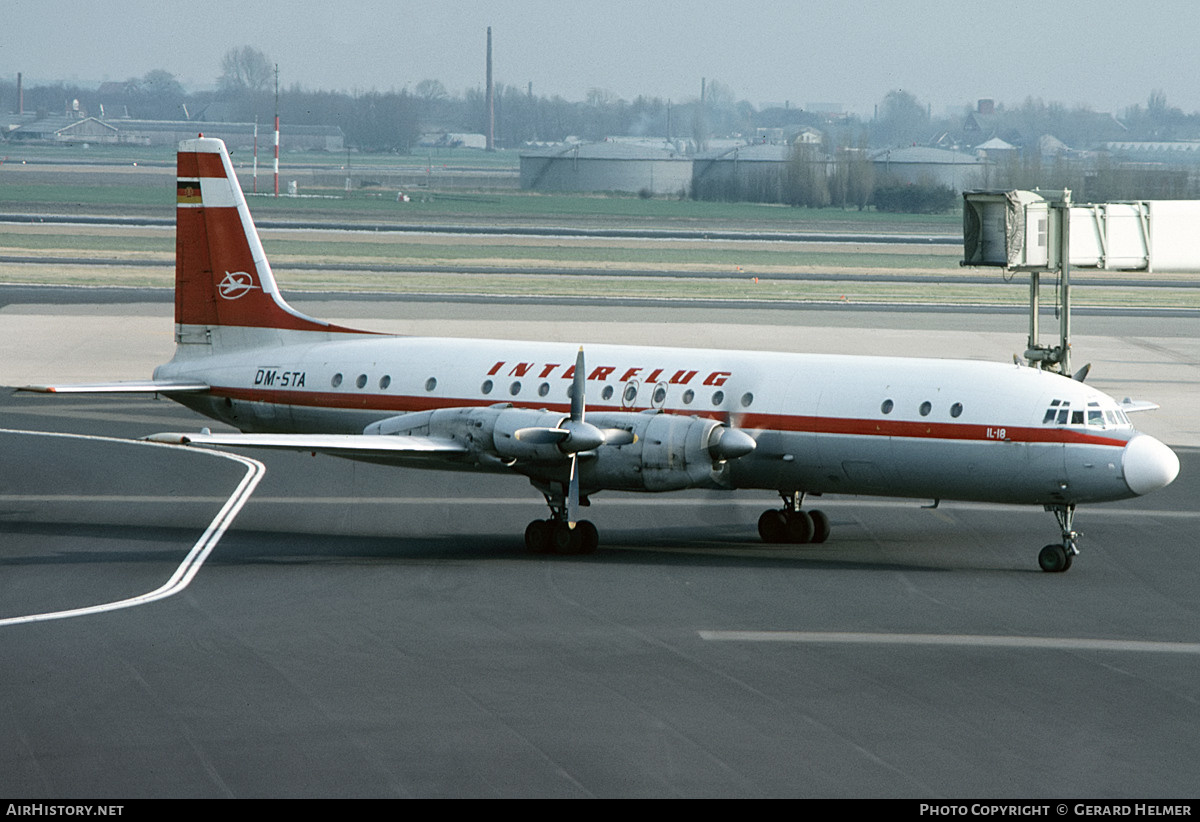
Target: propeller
(575,435)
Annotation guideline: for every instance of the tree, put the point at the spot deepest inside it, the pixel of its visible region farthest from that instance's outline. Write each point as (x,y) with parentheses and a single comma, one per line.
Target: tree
(431,92)
(902,120)
(808,176)
(245,69)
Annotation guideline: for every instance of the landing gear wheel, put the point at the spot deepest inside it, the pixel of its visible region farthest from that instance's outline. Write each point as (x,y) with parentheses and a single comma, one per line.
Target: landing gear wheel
(772,526)
(537,536)
(799,527)
(821,527)
(589,536)
(1054,559)
(563,539)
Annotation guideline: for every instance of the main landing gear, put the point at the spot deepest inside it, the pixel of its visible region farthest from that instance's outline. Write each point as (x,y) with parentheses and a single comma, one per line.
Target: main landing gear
(558,535)
(791,525)
(1055,559)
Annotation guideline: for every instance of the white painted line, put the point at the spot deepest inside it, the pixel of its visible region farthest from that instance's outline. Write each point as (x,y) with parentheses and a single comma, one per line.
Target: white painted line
(956,640)
(195,558)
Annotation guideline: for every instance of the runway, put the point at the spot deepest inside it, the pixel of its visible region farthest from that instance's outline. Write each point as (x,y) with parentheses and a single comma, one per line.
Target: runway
(361,631)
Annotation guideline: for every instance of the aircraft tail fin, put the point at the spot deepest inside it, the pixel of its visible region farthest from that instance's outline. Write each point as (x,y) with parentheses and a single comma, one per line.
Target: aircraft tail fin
(222,277)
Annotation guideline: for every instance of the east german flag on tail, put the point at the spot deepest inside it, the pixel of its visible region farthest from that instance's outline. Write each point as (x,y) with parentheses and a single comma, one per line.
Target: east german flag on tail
(188,192)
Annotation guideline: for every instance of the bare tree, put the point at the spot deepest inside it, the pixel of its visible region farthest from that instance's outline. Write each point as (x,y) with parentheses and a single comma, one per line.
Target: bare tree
(245,69)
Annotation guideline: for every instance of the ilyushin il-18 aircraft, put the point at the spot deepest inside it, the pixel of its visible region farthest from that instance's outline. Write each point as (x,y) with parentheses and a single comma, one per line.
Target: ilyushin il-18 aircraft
(576,421)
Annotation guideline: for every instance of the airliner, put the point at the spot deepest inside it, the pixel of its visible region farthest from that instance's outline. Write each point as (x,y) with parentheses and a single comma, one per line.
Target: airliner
(576,420)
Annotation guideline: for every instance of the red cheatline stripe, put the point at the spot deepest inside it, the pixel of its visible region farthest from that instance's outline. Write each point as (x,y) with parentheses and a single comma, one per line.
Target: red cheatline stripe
(400,404)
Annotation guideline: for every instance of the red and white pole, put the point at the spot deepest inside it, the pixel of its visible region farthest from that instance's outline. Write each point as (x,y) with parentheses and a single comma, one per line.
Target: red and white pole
(276,129)
(276,155)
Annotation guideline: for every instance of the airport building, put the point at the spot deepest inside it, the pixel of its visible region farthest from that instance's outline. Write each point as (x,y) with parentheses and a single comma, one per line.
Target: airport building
(756,173)
(607,166)
(920,165)
(72,128)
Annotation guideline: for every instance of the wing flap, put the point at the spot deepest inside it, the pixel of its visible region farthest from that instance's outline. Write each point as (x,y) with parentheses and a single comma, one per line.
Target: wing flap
(121,387)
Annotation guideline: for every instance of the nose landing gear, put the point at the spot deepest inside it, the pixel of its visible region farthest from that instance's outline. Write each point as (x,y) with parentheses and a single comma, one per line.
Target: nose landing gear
(1056,558)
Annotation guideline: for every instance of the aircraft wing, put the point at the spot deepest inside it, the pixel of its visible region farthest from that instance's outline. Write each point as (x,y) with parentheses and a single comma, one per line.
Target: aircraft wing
(121,387)
(347,445)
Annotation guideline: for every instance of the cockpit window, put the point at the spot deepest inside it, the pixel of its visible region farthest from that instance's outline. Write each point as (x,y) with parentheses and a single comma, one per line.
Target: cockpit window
(1060,411)
(1055,413)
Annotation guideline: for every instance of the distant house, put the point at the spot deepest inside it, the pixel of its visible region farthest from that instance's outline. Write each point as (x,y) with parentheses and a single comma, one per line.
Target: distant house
(981,123)
(995,149)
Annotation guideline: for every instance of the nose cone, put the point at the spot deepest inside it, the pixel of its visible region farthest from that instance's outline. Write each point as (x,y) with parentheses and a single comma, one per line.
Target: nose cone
(1148,464)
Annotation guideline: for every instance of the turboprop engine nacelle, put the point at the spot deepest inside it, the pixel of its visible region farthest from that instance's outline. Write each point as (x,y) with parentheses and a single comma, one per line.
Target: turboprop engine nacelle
(671,452)
(647,451)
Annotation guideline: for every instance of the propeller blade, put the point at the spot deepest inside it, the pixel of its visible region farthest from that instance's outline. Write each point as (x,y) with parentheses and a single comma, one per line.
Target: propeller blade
(573,493)
(1082,373)
(542,436)
(618,436)
(577,388)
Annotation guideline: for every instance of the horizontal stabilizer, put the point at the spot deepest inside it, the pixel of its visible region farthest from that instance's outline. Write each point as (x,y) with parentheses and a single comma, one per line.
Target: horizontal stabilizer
(121,387)
(1129,406)
(361,445)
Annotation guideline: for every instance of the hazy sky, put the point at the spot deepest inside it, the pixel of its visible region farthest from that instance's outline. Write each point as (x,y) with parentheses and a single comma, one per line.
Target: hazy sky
(1103,53)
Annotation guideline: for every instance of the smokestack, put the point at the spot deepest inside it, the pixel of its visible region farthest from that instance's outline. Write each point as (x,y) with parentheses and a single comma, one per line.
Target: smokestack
(491,98)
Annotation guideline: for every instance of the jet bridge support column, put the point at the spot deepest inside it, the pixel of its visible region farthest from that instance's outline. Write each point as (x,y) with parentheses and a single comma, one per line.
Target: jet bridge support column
(1058,217)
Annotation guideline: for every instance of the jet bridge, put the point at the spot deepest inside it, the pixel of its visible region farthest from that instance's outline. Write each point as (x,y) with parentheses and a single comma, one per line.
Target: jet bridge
(1043,232)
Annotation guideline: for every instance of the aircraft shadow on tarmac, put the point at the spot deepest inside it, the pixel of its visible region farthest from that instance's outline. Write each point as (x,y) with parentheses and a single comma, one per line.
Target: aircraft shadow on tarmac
(82,544)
